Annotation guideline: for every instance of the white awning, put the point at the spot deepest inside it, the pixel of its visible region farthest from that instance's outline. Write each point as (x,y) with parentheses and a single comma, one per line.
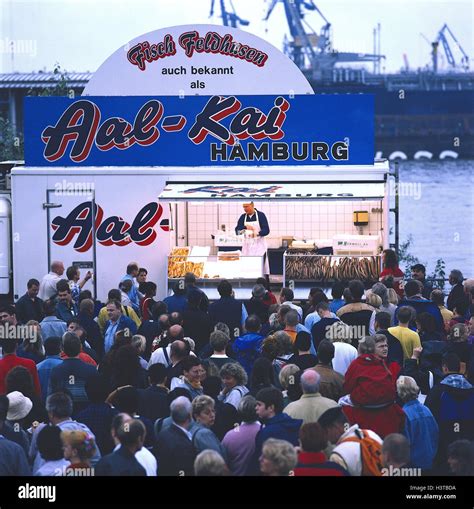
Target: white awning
(215,191)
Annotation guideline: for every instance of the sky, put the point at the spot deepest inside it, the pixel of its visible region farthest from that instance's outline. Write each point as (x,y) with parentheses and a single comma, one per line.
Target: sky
(80,34)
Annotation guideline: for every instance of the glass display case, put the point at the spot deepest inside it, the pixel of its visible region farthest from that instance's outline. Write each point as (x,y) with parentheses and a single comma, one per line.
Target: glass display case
(224,265)
(307,265)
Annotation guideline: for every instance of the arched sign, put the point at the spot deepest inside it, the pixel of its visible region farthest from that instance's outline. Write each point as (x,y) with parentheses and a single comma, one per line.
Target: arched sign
(198,59)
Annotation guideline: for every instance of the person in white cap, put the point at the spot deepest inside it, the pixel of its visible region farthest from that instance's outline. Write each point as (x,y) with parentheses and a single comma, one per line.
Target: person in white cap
(19,406)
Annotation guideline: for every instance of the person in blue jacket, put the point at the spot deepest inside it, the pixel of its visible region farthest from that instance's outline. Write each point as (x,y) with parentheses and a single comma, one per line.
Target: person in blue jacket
(275,424)
(254,225)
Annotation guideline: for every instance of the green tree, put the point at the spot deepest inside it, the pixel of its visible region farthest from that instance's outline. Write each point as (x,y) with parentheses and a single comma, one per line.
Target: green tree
(11,145)
(408,260)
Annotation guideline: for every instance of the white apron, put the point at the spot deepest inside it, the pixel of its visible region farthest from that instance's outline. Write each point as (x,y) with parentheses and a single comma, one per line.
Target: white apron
(256,246)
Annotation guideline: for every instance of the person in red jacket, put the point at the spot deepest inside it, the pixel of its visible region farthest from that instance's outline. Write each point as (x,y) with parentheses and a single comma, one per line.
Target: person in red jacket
(391,270)
(372,392)
(10,360)
(381,351)
(311,459)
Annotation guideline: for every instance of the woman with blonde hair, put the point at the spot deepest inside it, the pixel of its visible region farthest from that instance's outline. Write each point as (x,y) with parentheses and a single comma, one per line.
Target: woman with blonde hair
(278,458)
(79,448)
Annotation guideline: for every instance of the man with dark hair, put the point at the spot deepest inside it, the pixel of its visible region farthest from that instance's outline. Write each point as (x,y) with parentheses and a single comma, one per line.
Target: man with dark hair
(73,275)
(319,329)
(286,299)
(461,458)
(347,451)
(191,287)
(153,401)
(52,348)
(98,414)
(356,314)
(149,292)
(13,460)
(409,339)
(256,304)
(141,280)
(332,382)
(196,322)
(337,300)
(72,374)
(132,273)
(51,326)
(10,360)
(227,309)
(303,358)
(277,424)
(131,435)
(117,322)
(30,306)
(66,308)
(128,311)
(418,272)
(248,346)
(177,301)
(452,404)
(395,350)
(86,319)
(414,299)
(459,313)
(311,458)
(457,289)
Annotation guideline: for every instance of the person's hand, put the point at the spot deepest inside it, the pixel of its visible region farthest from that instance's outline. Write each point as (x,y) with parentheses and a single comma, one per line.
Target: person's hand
(417,352)
(88,275)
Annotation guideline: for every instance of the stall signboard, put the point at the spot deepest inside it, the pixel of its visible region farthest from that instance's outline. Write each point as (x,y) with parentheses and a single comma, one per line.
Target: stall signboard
(176,191)
(226,130)
(186,60)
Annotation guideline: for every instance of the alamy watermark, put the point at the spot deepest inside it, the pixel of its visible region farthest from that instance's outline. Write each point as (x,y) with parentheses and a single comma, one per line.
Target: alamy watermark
(392,471)
(19,46)
(412,189)
(68,188)
(19,332)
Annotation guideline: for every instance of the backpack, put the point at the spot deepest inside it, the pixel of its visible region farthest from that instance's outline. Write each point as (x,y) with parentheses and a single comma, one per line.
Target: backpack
(370,452)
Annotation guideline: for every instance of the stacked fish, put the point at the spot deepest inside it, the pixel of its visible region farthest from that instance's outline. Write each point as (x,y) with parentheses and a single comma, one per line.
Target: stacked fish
(305,265)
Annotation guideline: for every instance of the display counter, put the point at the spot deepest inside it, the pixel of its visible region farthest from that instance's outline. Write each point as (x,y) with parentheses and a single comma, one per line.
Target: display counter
(304,265)
(242,271)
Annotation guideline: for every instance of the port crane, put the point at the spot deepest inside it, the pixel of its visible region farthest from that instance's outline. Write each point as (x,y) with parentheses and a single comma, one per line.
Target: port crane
(442,38)
(229,18)
(313,52)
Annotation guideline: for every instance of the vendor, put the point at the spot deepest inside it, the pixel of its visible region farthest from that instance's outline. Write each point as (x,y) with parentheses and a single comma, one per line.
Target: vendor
(254,225)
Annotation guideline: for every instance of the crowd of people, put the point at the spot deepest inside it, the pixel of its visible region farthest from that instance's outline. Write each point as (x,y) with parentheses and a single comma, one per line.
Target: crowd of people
(376,380)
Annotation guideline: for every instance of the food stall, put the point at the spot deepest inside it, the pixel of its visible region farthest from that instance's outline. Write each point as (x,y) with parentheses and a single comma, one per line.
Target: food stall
(161,162)
(334,222)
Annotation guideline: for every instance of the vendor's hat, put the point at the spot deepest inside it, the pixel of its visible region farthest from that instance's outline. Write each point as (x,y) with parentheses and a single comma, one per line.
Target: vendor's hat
(19,406)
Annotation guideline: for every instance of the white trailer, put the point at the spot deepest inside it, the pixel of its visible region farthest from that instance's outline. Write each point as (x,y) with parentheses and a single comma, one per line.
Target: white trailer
(52,212)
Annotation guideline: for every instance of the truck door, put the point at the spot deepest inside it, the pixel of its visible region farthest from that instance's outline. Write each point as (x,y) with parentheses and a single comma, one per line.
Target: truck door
(5,246)
(71,229)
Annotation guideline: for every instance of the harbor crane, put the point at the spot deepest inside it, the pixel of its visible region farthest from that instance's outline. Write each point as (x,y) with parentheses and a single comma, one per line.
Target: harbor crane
(313,52)
(229,18)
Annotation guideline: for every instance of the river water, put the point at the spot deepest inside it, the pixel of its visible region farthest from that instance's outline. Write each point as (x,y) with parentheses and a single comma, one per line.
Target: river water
(439,213)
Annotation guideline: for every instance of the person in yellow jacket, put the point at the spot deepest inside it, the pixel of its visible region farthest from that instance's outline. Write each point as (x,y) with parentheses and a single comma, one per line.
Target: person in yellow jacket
(409,339)
(126,310)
